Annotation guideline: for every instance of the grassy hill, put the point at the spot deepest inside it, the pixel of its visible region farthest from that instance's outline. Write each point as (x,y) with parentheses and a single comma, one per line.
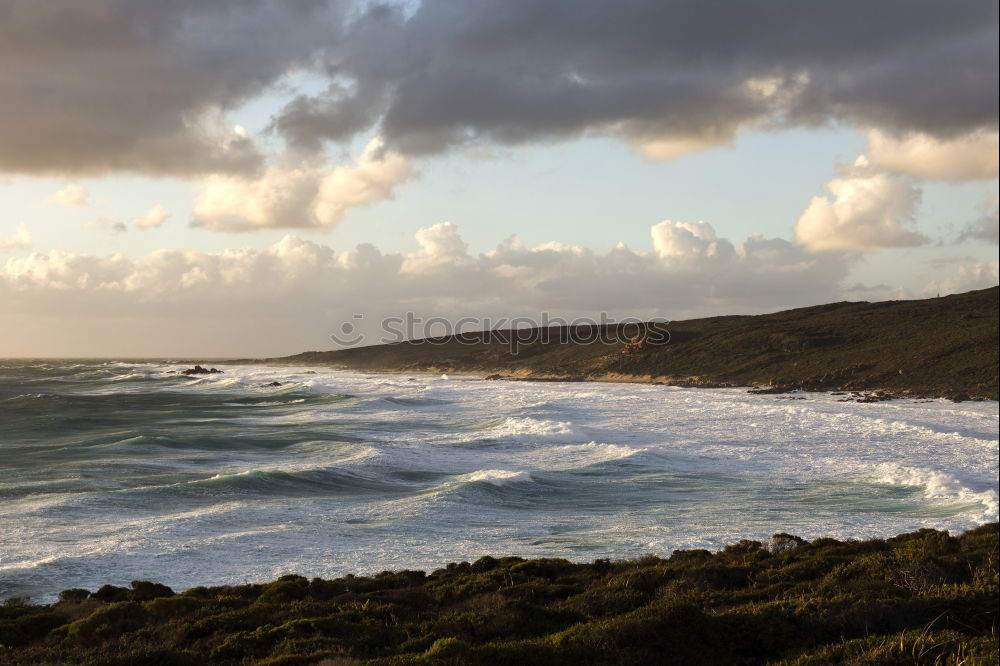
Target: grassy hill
(933,347)
(921,598)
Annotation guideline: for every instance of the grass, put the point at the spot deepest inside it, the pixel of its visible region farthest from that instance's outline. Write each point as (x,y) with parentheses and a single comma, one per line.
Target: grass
(925,597)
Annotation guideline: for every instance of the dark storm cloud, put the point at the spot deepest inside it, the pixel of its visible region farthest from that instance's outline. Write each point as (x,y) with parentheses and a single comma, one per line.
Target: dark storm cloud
(138,85)
(519,70)
(141,85)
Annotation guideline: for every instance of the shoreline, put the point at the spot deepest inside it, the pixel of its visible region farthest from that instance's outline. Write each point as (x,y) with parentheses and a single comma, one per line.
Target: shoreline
(865,394)
(781,601)
(931,348)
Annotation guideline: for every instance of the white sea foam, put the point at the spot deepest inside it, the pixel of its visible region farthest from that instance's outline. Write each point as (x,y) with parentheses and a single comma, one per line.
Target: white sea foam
(265,403)
(600,451)
(338,472)
(526,427)
(939,485)
(497,477)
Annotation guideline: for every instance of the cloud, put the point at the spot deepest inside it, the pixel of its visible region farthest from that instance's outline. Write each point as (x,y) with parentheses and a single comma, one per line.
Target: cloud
(298,291)
(307,196)
(440,247)
(143,86)
(374,178)
(669,76)
(278,198)
(973,275)
(106,224)
(870,209)
(71,196)
(688,241)
(985,228)
(148,87)
(972,156)
(20,240)
(152,218)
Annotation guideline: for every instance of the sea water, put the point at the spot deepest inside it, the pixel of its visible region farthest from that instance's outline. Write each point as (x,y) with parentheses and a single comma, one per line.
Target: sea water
(111,472)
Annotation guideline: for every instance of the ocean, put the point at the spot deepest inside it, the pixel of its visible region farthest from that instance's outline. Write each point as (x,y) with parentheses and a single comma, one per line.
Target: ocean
(115,471)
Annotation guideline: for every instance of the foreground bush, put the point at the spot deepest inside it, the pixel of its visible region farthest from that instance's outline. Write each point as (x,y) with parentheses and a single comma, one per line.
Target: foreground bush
(925,598)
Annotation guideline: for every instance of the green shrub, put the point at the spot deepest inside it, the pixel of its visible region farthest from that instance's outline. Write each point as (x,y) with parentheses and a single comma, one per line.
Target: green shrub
(109,621)
(74,595)
(143,590)
(111,593)
(782,543)
(924,597)
(694,556)
(285,589)
(172,608)
(485,563)
(448,649)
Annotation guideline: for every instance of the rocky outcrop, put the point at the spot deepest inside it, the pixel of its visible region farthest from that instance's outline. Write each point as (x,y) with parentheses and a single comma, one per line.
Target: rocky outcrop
(199,370)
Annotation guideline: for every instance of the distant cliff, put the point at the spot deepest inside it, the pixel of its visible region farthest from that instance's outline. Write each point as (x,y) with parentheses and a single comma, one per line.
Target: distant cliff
(936,347)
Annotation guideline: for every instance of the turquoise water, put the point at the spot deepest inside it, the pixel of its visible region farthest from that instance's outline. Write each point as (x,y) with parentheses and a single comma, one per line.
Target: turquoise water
(111,471)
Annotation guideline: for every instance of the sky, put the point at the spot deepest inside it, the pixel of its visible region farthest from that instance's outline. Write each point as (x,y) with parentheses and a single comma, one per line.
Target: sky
(256,177)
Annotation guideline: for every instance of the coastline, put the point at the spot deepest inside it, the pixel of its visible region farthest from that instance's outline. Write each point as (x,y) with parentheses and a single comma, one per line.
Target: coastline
(872,393)
(932,348)
(782,601)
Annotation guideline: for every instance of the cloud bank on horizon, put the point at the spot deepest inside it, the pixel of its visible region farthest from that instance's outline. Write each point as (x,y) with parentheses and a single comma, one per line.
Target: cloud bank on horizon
(290,296)
(145,88)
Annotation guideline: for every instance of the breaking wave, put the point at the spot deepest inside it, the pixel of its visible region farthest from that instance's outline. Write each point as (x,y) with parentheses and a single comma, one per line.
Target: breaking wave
(120,471)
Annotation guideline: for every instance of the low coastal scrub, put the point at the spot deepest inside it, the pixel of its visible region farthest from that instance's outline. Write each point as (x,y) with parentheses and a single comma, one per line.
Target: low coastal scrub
(935,347)
(921,598)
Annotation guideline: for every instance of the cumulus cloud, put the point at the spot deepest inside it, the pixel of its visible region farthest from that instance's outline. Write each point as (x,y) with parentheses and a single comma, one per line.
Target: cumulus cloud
(968,276)
(440,246)
(298,291)
(71,196)
(869,209)
(971,156)
(146,86)
(152,218)
(374,178)
(106,224)
(688,241)
(278,198)
(310,195)
(20,240)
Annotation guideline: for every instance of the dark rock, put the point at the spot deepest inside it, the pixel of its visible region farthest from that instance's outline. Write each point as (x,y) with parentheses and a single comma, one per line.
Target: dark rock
(274,384)
(199,370)
(493,377)
(870,396)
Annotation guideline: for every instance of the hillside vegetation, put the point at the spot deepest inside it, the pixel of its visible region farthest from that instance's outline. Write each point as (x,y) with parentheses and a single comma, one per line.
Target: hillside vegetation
(936,347)
(921,598)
